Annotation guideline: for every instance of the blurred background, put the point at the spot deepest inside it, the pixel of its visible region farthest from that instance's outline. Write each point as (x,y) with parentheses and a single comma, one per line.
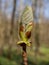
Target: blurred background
(10,16)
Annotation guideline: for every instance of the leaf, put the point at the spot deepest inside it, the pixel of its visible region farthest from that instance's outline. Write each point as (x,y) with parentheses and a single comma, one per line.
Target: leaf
(22,36)
(29,28)
(21,42)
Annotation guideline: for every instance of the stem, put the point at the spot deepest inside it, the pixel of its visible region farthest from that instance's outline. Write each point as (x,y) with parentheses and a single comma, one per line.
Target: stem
(24,55)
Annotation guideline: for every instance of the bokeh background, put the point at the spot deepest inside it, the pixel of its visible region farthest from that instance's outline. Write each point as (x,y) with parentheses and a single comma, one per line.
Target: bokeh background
(10,16)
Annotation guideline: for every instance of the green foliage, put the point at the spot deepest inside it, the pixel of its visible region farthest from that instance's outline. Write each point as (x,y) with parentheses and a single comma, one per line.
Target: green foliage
(16,58)
(5,61)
